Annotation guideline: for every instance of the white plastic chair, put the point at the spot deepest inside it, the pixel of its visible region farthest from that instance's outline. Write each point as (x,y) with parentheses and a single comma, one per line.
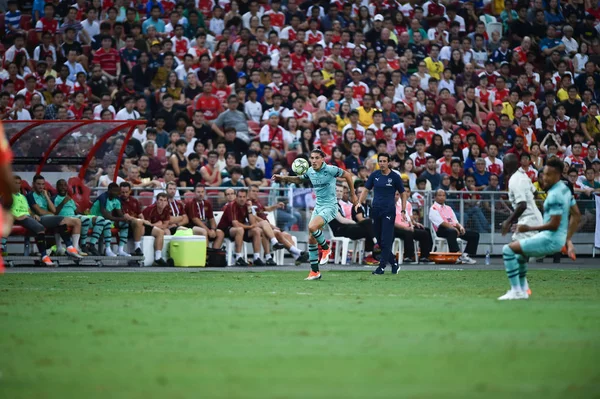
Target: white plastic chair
(230,245)
(342,247)
(398,249)
(487,19)
(441,244)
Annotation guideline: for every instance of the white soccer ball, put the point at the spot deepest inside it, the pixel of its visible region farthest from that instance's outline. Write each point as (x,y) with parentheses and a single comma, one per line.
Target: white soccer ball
(300,166)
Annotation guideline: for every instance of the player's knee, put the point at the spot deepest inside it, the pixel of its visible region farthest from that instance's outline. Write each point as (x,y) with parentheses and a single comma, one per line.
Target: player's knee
(507,251)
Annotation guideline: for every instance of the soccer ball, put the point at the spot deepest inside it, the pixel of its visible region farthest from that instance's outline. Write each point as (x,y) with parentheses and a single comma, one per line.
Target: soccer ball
(300,166)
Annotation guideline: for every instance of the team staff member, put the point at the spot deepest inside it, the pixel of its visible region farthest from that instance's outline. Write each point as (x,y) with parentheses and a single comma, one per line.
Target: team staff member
(385,182)
(200,214)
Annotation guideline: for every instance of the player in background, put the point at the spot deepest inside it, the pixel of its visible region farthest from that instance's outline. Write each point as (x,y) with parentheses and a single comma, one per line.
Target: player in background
(552,235)
(6,183)
(323,178)
(521,193)
(385,182)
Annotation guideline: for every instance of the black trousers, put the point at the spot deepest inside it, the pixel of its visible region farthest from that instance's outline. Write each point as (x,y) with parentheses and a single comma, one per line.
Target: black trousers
(471,237)
(357,231)
(383,226)
(423,236)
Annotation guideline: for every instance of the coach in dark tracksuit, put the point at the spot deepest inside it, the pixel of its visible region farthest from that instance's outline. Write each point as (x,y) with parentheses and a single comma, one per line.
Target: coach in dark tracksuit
(385,182)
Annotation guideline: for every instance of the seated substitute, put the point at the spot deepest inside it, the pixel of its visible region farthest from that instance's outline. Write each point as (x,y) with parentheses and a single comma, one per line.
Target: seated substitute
(40,203)
(446,225)
(200,213)
(67,207)
(408,231)
(236,224)
(271,234)
(23,216)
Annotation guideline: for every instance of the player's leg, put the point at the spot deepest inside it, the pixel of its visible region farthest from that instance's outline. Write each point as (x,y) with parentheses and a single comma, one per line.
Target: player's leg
(199,231)
(86,224)
(522,261)
(124,232)
(38,231)
(237,235)
(60,225)
(159,242)
(107,233)
(313,258)
(287,240)
(423,237)
(219,238)
(267,250)
(97,231)
(315,229)
(138,228)
(472,239)
(255,234)
(270,234)
(509,255)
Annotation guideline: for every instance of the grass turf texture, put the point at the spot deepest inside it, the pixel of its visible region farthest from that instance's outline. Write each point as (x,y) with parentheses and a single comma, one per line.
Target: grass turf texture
(272,335)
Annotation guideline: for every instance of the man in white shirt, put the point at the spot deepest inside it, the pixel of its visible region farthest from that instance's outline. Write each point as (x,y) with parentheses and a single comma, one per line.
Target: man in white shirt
(521,194)
(128,113)
(446,225)
(90,25)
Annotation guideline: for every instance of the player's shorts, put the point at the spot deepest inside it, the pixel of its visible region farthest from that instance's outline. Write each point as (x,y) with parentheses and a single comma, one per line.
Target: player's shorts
(327,213)
(247,237)
(147,230)
(522,236)
(50,221)
(542,244)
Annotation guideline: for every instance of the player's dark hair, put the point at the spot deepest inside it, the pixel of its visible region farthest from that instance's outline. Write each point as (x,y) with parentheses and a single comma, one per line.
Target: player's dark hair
(161,195)
(383,155)
(38,177)
(556,164)
(318,151)
(455,161)
(112,185)
(125,184)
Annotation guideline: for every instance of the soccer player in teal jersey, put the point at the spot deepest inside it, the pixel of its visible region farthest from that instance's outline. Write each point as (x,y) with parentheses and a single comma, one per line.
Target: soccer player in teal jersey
(66,206)
(323,178)
(108,206)
(552,236)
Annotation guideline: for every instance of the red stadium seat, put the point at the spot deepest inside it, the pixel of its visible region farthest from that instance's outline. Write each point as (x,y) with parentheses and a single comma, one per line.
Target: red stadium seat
(254,127)
(26,22)
(25,187)
(50,188)
(80,194)
(290,156)
(146,198)
(32,38)
(190,111)
(18,231)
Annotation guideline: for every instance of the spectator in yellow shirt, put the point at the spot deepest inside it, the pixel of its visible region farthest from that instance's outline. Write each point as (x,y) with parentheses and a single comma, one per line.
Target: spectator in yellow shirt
(565,81)
(434,65)
(365,112)
(509,107)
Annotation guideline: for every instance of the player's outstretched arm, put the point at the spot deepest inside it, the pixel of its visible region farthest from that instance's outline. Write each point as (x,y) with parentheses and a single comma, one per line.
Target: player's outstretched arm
(288,179)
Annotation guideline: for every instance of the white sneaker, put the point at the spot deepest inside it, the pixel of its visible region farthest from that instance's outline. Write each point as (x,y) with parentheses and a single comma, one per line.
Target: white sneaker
(466,259)
(122,253)
(513,294)
(109,252)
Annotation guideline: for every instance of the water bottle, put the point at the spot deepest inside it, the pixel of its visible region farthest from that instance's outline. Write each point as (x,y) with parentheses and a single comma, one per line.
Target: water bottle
(487,257)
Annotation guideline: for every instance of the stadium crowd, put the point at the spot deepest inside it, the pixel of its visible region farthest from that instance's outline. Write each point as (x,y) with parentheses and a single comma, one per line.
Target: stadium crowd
(233,91)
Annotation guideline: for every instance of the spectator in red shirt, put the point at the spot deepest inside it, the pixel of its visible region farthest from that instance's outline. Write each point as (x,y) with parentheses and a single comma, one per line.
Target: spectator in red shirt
(208,103)
(109,59)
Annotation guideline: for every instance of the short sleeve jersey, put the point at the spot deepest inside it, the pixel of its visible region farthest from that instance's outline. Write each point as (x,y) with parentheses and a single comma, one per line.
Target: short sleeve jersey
(558,202)
(520,189)
(68,209)
(384,187)
(323,182)
(153,215)
(104,202)
(40,200)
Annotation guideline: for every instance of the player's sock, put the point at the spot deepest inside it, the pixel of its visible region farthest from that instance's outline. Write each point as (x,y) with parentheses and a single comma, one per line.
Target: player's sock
(86,223)
(157,255)
(256,256)
(75,238)
(138,244)
(522,272)
(274,241)
(237,256)
(512,267)
(320,237)
(58,242)
(295,251)
(313,257)
(268,256)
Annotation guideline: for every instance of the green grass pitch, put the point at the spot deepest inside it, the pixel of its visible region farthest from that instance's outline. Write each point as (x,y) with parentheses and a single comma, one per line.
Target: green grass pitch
(434,334)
